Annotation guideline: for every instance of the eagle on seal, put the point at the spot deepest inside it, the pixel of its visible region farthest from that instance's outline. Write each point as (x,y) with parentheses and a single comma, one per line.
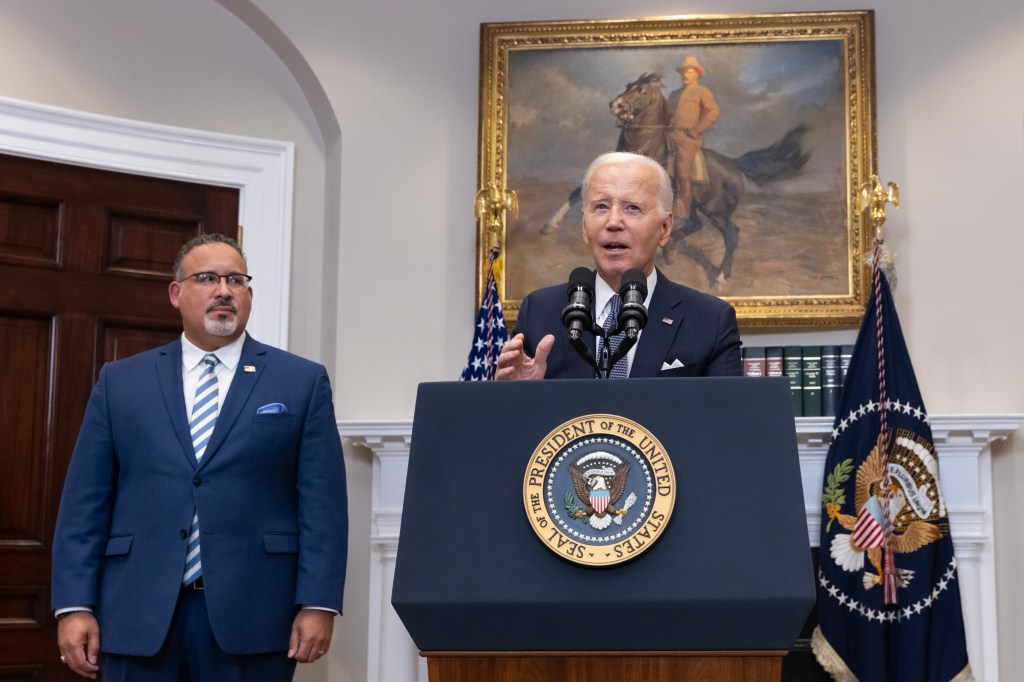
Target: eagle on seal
(599,489)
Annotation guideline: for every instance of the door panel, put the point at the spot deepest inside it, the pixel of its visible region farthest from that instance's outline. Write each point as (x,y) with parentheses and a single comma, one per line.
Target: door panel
(85,260)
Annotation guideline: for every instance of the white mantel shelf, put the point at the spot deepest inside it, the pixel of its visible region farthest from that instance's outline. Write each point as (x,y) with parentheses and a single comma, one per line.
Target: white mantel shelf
(965,470)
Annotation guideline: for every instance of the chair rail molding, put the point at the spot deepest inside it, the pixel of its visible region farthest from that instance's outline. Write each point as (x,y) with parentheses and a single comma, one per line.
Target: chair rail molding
(964,444)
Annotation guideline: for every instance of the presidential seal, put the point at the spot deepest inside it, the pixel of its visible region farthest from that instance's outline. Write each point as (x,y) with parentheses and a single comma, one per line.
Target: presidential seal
(916,507)
(599,490)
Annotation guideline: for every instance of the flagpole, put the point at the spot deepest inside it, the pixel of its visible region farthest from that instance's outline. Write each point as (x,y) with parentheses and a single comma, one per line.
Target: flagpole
(490,333)
(873,198)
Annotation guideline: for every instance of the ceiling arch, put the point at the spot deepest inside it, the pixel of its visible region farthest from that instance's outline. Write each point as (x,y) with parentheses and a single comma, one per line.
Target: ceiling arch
(281,45)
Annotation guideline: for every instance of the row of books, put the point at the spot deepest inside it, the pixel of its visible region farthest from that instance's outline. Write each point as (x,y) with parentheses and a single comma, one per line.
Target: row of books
(816,373)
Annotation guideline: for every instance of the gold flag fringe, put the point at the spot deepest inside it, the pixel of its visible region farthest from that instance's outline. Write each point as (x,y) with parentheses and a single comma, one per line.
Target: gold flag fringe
(829,660)
(831,663)
(964,675)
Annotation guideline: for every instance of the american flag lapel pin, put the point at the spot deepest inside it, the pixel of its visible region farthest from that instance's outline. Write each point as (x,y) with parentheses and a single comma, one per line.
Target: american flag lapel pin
(667,320)
(249,368)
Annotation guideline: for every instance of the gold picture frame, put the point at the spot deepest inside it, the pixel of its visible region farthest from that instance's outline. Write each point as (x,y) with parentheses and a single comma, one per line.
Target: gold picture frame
(794,89)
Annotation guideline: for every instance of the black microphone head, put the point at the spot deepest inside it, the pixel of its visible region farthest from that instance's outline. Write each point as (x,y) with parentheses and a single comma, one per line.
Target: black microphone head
(634,278)
(633,314)
(577,316)
(581,278)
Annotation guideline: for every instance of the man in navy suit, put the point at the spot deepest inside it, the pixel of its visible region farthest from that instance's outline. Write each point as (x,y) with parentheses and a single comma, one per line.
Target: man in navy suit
(627,217)
(184,554)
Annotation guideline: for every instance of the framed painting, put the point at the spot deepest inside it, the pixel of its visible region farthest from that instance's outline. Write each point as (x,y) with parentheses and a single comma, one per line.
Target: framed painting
(772,225)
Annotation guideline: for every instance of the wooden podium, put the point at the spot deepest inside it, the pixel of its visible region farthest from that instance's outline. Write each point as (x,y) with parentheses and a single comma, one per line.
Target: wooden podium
(605,666)
(721,595)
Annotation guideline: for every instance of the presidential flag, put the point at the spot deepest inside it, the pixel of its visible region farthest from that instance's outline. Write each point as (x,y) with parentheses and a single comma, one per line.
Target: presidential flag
(490,333)
(888,596)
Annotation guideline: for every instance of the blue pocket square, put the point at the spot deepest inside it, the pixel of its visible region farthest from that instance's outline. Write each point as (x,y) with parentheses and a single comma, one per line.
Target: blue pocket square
(272,408)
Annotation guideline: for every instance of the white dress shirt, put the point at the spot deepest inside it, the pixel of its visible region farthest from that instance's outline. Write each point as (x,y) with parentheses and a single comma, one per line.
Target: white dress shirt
(191,369)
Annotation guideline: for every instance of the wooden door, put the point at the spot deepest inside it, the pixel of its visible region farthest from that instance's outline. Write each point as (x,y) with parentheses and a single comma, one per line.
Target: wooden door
(85,259)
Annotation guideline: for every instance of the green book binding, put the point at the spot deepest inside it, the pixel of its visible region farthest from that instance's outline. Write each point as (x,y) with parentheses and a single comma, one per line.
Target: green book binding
(792,367)
(773,362)
(831,381)
(811,366)
(845,355)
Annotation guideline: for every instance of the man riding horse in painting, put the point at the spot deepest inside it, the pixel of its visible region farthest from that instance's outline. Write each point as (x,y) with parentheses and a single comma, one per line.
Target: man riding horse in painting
(712,194)
(696,112)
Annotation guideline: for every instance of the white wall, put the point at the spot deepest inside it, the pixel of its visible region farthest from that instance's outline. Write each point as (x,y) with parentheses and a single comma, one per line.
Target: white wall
(401,78)
(190,64)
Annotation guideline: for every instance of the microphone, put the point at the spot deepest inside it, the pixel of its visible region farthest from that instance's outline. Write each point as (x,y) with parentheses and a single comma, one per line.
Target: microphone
(578,316)
(633,313)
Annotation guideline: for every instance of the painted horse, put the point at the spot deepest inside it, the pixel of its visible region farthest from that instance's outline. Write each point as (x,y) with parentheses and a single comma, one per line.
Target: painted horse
(642,115)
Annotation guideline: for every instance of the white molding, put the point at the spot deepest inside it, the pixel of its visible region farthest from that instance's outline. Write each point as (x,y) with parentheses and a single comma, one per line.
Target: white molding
(965,463)
(391,654)
(262,170)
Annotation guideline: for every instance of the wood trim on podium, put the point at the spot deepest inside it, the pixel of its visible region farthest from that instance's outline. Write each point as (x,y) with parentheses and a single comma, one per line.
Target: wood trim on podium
(604,666)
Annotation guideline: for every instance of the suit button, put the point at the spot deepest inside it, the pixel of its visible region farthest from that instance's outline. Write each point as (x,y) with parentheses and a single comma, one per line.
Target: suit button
(197,481)
(183,533)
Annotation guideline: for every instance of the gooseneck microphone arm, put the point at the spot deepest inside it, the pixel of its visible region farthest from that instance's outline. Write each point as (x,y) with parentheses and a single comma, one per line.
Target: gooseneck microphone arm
(604,362)
(581,347)
(578,317)
(632,314)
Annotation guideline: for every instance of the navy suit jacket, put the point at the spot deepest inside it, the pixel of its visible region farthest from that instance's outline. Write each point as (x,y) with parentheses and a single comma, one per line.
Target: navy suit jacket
(270,493)
(697,329)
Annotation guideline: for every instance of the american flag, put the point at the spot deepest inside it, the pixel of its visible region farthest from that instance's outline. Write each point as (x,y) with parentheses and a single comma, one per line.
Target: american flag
(489,334)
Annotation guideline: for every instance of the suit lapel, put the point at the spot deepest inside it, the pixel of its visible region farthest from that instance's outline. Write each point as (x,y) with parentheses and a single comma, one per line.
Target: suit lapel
(247,373)
(168,372)
(658,335)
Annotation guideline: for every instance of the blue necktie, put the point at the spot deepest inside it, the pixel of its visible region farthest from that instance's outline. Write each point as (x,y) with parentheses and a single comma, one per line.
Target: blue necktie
(204,417)
(618,370)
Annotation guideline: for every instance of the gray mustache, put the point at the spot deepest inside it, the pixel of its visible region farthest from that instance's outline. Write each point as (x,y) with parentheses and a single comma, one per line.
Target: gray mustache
(222,302)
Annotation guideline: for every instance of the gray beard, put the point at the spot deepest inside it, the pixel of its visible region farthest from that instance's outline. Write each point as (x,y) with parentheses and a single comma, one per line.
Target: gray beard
(220,327)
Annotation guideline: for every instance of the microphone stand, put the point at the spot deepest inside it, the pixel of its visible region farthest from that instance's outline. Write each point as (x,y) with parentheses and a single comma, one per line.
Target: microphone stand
(576,341)
(605,366)
(632,318)
(607,360)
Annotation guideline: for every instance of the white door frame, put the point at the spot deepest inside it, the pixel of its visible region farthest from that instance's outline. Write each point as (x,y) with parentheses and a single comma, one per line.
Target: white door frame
(262,171)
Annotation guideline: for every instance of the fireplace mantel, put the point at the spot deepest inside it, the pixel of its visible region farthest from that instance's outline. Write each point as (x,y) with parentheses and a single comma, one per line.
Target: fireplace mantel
(965,463)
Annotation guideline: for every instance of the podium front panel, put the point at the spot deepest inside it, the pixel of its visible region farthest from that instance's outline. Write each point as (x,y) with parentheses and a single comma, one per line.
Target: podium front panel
(731,571)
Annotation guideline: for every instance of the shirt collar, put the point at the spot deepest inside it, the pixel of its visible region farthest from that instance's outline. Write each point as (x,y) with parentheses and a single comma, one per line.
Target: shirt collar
(229,355)
(603,292)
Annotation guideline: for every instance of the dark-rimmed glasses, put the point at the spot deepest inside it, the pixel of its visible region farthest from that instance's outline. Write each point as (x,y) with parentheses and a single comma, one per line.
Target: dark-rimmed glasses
(235,280)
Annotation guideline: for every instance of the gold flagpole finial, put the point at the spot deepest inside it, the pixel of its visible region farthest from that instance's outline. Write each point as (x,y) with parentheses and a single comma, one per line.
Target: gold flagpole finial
(873,197)
(491,204)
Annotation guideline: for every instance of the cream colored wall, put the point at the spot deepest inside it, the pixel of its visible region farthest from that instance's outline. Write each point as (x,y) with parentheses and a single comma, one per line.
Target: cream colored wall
(401,79)
(190,64)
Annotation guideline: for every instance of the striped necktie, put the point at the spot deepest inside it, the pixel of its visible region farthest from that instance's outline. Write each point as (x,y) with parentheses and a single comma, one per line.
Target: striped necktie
(618,370)
(204,417)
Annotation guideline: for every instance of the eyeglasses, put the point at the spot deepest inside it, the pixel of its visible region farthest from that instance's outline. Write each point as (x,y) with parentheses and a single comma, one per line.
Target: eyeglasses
(235,280)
